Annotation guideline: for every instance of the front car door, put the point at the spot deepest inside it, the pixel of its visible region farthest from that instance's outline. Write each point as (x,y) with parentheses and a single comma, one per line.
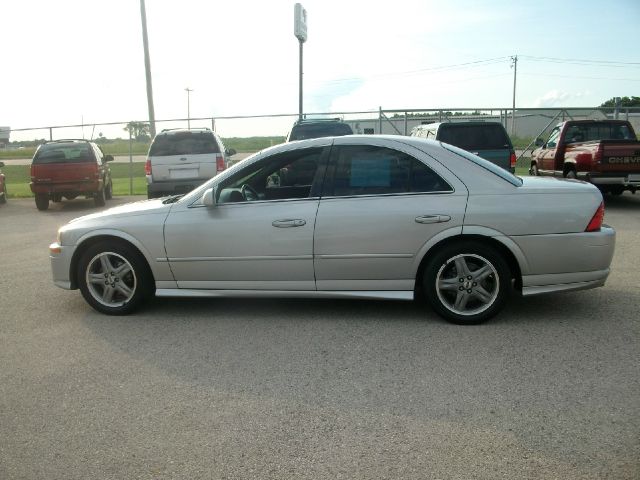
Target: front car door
(382,203)
(548,158)
(259,236)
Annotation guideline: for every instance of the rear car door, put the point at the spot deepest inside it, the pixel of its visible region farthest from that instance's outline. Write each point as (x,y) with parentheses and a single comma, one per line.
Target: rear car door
(380,206)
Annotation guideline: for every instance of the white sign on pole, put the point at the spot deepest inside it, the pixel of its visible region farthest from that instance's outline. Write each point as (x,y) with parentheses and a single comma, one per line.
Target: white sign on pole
(300,22)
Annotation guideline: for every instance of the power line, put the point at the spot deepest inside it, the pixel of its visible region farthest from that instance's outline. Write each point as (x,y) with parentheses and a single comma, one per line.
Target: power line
(582,77)
(576,61)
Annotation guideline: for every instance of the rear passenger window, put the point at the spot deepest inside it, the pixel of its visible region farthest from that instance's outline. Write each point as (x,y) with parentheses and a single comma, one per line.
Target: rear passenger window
(370,170)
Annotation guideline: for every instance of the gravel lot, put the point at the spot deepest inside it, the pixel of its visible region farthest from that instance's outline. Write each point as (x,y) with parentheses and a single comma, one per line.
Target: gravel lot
(279,389)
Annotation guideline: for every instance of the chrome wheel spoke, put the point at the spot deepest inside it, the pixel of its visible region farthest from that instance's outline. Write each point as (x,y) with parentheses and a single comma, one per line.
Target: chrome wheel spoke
(106,263)
(108,293)
(482,295)
(461,301)
(448,284)
(97,278)
(122,270)
(482,273)
(124,290)
(461,266)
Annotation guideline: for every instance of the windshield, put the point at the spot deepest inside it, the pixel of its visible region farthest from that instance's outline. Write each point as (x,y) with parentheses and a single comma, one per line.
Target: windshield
(64,153)
(183,143)
(487,165)
(475,137)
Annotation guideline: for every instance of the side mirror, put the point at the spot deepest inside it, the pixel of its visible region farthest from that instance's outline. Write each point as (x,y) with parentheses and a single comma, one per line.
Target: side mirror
(108,158)
(231,152)
(209,197)
(539,142)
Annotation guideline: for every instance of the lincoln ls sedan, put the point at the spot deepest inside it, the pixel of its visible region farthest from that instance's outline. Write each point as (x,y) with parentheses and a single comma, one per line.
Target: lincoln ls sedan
(369,217)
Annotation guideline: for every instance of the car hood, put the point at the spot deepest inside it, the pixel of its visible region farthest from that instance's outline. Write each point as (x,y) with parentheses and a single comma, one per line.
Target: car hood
(144,207)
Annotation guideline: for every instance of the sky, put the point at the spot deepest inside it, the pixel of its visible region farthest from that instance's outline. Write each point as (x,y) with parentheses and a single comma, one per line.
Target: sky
(81,61)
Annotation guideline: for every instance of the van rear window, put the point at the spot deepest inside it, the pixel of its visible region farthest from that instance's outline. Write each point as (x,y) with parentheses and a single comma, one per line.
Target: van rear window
(318,130)
(475,137)
(63,153)
(183,143)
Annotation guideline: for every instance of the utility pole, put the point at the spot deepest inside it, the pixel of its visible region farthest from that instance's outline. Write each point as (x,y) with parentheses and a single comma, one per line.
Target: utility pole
(514,59)
(188,90)
(147,69)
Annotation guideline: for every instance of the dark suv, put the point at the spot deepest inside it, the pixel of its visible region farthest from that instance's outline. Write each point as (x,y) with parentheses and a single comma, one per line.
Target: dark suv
(317,128)
(70,168)
(488,140)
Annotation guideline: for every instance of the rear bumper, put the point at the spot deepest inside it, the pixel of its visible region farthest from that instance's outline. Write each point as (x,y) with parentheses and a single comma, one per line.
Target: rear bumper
(75,187)
(622,179)
(567,261)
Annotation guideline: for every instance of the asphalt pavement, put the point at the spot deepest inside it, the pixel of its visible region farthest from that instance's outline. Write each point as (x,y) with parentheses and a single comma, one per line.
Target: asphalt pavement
(241,389)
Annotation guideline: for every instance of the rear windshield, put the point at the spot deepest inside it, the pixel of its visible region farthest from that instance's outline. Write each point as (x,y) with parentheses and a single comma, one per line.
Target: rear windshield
(587,132)
(64,153)
(475,137)
(317,130)
(183,143)
(487,165)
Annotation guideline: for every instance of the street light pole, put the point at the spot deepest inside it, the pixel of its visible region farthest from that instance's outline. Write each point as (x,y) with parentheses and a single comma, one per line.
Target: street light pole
(147,69)
(514,59)
(300,32)
(188,90)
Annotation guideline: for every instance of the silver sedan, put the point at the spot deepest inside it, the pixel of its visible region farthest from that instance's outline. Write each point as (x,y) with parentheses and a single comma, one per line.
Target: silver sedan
(377,217)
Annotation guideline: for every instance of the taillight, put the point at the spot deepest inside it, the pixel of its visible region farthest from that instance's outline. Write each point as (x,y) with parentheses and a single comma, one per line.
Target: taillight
(597,156)
(596,221)
(147,167)
(220,163)
(512,160)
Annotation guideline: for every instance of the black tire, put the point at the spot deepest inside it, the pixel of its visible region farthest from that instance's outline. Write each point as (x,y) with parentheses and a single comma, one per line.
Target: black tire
(42,201)
(533,170)
(121,278)
(483,291)
(3,197)
(570,173)
(99,198)
(108,194)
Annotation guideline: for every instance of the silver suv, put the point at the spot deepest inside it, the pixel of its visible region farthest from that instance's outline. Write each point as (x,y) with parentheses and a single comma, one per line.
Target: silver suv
(179,160)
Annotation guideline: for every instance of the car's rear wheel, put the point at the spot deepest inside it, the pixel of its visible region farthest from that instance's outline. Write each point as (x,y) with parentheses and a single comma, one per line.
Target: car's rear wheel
(114,278)
(99,198)
(533,170)
(571,173)
(42,201)
(3,195)
(467,282)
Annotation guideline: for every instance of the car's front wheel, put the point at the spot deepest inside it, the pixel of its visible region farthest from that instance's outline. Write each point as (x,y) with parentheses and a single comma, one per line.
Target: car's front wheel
(114,278)
(467,282)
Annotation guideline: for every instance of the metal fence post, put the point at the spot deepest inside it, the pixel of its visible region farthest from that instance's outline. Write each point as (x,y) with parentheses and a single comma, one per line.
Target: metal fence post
(405,123)
(130,165)
(50,134)
(380,120)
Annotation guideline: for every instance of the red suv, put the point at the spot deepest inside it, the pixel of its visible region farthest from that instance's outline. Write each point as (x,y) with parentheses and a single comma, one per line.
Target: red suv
(69,168)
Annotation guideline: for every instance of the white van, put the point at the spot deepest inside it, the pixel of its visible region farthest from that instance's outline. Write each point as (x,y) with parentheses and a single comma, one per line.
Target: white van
(180,160)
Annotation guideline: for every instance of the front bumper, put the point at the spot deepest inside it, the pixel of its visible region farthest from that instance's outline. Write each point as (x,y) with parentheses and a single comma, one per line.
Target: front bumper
(61,257)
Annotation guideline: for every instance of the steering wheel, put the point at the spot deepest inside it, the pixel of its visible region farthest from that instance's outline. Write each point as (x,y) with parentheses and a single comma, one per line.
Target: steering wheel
(248,193)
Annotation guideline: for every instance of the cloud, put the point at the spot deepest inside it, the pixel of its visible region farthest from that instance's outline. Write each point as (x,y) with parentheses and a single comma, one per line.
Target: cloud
(555,98)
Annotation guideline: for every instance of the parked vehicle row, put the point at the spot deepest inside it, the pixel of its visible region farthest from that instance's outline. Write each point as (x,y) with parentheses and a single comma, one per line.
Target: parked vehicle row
(383,217)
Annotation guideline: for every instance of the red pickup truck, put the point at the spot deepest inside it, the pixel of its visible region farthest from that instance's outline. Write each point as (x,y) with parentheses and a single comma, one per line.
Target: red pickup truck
(603,152)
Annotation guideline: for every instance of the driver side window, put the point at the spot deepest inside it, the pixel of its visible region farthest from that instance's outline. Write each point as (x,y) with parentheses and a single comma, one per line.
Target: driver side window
(553,138)
(284,176)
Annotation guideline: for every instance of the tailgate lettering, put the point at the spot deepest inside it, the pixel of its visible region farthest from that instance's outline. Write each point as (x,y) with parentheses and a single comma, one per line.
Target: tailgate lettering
(623,160)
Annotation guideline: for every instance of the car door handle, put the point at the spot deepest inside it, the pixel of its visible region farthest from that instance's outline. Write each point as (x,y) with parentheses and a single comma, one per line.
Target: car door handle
(433,219)
(289,223)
